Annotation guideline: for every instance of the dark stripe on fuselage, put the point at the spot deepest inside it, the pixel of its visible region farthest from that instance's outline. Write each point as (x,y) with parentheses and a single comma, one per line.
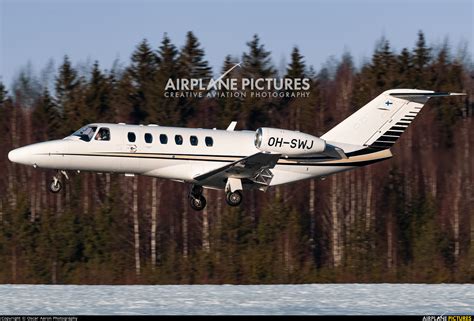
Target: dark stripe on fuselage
(365,151)
(145,155)
(353,163)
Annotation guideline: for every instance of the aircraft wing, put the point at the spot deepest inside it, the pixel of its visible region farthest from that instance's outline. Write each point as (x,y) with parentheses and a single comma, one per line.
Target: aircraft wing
(255,167)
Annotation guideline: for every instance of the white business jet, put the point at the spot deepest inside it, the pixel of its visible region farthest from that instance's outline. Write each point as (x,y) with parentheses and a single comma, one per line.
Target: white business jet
(228,159)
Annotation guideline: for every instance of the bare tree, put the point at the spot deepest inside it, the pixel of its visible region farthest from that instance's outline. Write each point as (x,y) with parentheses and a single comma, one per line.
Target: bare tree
(136,230)
(155,205)
(336,224)
(185,225)
(205,226)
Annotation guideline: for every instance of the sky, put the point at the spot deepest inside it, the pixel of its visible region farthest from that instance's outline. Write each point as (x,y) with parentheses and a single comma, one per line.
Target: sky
(36,31)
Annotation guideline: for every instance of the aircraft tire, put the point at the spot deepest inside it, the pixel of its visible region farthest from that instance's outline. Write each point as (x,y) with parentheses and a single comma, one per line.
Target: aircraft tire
(234,198)
(197,203)
(55,188)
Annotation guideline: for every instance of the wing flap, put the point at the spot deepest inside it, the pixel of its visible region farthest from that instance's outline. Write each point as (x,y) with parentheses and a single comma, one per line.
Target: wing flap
(248,167)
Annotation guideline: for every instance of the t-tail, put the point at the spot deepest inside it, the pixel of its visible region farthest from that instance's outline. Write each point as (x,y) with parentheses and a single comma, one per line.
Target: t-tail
(379,124)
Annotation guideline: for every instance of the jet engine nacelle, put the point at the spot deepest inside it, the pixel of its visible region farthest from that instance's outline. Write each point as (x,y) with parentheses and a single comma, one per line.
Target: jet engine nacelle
(287,142)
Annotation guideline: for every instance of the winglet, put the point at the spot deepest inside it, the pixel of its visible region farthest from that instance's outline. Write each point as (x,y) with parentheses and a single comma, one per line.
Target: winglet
(231,126)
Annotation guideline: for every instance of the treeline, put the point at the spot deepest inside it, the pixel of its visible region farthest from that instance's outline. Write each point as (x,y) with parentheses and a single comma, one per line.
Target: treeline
(408,219)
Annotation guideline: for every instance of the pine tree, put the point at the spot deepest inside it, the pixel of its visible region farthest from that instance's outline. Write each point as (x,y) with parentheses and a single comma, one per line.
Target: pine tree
(296,112)
(168,58)
(26,87)
(257,61)
(166,112)
(404,69)
(383,66)
(123,97)
(230,106)
(3,93)
(421,59)
(446,76)
(46,117)
(297,67)
(191,64)
(66,83)
(422,53)
(69,99)
(191,60)
(98,96)
(257,64)
(144,64)
(143,70)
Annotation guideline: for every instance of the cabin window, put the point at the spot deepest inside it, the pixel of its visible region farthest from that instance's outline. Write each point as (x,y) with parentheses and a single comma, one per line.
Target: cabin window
(131,137)
(148,138)
(193,140)
(178,139)
(85,133)
(163,139)
(103,134)
(209,141)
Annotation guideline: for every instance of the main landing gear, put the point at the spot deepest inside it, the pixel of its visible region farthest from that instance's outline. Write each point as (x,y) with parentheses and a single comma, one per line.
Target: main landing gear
(233,194)
(233,198)
(196,199)
(55,186)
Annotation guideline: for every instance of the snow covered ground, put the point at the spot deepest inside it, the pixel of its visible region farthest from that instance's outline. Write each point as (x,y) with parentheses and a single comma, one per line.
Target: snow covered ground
(239,299)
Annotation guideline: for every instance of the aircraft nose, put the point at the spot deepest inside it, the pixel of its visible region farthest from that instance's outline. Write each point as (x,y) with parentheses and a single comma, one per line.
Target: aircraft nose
(13,156)
(18,155)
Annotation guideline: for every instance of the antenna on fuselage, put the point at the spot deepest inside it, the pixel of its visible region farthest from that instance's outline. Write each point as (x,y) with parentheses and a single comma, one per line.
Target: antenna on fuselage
(231,126)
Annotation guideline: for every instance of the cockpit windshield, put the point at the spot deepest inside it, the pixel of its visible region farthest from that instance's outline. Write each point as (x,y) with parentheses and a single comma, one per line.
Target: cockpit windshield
(85,133)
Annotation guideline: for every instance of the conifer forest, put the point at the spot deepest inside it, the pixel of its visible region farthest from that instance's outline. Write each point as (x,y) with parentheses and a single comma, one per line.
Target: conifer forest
(406,219)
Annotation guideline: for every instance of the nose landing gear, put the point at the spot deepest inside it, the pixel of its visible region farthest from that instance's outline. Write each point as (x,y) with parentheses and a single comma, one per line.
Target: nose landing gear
(196,199)
(55,186)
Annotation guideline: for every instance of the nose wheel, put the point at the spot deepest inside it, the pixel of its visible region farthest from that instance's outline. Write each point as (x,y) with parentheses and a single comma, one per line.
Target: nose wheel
(55,186)
(196,199)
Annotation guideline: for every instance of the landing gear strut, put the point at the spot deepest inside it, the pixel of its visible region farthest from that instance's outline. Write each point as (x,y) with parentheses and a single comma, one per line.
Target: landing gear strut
(196,199)
(55,186)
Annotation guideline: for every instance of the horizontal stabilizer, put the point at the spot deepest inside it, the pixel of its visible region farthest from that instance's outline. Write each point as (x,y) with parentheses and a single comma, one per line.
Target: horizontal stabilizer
(424,94)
